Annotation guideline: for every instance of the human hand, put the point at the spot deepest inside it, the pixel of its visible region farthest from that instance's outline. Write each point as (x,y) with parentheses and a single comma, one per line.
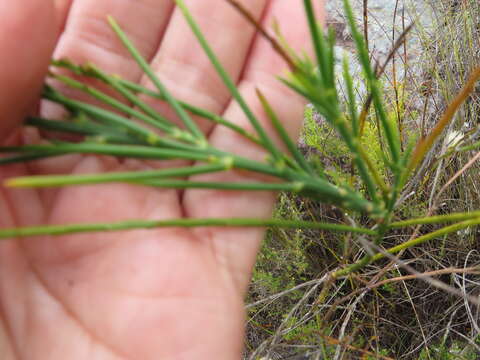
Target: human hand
(157,294)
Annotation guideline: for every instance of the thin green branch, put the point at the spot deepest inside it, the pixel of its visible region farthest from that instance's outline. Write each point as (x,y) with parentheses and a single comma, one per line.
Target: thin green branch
(436,219)
(433,235)
(266,140)
(319,43)
(393,142)
(471,147)
(352,102)
(127,87)
(407,244)
(98,113)
(56,230)
(182,114)
(374,173)
(291,146)
(313,187)
(326,102)
(116,84)
(245,186)
(208,115)
(150,117)
(148,152)
(330,39)
(24,158)
(83,127)
(135,151)
(321,189)
(114,119)
(68,180)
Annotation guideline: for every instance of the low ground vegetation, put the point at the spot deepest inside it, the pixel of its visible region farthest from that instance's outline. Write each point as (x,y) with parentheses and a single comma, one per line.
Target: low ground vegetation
(383,311)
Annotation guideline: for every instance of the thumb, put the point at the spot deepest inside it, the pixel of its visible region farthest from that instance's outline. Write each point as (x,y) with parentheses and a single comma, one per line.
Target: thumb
(27,29)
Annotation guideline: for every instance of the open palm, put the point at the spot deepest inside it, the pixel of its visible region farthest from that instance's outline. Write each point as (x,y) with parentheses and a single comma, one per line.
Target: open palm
(158,294)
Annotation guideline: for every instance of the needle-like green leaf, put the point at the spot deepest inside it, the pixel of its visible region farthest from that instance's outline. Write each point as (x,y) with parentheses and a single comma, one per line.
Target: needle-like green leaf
(266,140)
(182,114)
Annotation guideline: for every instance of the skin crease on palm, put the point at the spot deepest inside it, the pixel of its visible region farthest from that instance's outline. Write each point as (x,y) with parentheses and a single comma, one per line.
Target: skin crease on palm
(157,294)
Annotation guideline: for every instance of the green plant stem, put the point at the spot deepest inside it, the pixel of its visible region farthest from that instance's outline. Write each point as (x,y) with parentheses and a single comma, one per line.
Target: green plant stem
(473,146)
(115,83)
(182,114)
(266,140)
(340,124)
(82,127)
(321,189)
(127,87)
(319,43)
(127,109)
(147,152)
(459,150)
(59,180)
(246,186)
(358,158)
(436,219)
(375,175)
(393,142)
(194,110)
(351,98)
(329,108)
(24,158)
(290,145)
(113,119)
(407,244)
(313,187)
(135,151)
(430,236)
(55,230)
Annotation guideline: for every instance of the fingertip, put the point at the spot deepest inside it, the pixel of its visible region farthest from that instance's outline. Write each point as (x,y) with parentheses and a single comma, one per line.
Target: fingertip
(28,37)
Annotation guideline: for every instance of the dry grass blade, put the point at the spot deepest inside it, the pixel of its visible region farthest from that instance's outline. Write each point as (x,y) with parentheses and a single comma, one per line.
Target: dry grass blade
(365,23)
(285,292)
(379,71)
(343,344)
(377,284)
(424,144)
(455,177)
(273,42)
(436,283)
